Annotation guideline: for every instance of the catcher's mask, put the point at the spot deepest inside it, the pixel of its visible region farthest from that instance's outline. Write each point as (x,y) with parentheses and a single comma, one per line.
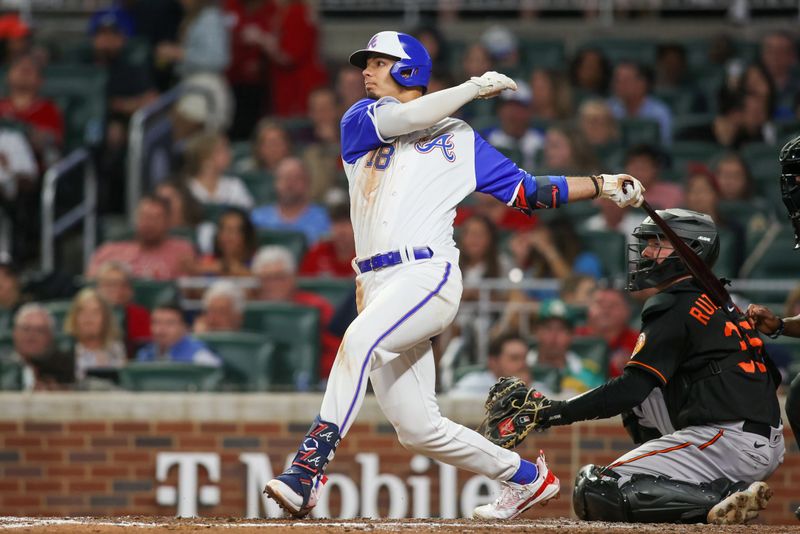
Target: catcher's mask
(696,229)
(790,188)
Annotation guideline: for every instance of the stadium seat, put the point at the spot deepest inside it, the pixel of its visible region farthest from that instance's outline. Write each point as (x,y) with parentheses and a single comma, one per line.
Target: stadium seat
(639,50)
(293,240)
(169,376)
(151,293)
(680,101)
(80,90)
(58,309)
(610,247)
(778,261)
(246,359)
(261,185)
(542,53)
(637,131)
(6,321)
(762,158)
(295,330)
(335,290)
(684,152)
(689,121)
(10,376)
(726,262)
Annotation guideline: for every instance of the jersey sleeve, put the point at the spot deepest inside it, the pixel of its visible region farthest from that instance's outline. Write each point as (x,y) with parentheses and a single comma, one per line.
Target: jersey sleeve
(359,128)
(500,177)
(661,346)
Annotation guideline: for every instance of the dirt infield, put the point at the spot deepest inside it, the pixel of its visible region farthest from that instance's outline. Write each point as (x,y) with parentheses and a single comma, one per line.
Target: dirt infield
(418,526)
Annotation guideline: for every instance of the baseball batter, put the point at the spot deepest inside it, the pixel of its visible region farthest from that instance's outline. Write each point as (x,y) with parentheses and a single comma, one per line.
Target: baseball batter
(408,166)
(763,318)
(702,394)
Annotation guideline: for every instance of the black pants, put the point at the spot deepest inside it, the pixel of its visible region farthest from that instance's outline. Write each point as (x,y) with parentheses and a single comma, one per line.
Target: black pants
(793,408)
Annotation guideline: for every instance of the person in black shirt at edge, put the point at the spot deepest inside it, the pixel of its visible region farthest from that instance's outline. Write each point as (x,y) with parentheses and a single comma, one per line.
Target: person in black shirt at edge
(764,319)
(698,394)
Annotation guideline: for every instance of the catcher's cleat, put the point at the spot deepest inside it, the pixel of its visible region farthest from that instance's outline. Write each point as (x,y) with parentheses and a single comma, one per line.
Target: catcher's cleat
(516,498)
(295,494)
(741,506)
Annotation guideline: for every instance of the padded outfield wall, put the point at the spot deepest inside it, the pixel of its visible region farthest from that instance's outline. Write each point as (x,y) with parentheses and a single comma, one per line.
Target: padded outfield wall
(86,454)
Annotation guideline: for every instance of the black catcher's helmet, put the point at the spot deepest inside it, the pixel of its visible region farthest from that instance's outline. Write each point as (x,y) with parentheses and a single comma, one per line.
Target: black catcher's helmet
(696,229)
(790,187)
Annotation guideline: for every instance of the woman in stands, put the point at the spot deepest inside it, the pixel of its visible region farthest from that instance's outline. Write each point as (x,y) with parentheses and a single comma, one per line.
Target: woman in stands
(98,341)
(234,246)
(208,156)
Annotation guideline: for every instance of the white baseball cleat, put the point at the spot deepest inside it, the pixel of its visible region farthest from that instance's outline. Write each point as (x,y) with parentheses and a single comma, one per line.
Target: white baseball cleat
(741,506)
(516,498)
(291,501)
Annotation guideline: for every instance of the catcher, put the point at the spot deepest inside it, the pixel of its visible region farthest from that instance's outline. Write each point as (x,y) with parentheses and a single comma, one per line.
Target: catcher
(699,392)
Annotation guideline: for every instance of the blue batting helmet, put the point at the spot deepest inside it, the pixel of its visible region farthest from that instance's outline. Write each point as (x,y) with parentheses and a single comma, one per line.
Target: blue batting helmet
(413,65)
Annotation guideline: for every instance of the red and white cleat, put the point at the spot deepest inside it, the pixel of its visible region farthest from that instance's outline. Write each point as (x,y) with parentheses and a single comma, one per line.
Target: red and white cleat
(516,498)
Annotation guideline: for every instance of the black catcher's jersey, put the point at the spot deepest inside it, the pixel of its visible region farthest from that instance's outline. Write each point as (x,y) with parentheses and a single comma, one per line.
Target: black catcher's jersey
(703,360)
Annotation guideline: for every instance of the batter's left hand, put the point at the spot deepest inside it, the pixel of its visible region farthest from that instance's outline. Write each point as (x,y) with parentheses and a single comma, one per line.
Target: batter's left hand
(622,189)
(492,83)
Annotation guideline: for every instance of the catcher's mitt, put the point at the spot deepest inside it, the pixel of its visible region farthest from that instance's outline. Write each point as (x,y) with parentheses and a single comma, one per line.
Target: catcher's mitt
(512,412)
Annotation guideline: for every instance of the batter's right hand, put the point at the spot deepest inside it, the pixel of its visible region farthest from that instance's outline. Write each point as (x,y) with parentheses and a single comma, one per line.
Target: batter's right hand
(762,318)
(492,84)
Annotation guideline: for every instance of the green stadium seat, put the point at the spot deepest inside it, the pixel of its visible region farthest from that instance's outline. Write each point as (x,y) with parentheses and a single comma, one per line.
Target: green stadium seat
(637,131)
(151,293)
(726,262)
(295,241)
(778,261)
(762,158)
(295,330)
(240,151)
(169,376)
(689,121)
(59,310)
(6,345)
(685,152)
(80,89)
(610,247)
(261,185)
(543,53)
(6,321)
(680,101)
(335,290)
(10,376)
(246,359)
(615,49)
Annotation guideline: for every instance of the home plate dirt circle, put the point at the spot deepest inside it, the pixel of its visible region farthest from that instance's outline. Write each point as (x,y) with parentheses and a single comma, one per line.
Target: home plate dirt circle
(102,525)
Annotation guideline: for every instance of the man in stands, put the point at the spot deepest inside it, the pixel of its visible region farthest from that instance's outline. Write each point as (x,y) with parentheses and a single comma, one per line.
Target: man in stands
(152,253)
(172,341)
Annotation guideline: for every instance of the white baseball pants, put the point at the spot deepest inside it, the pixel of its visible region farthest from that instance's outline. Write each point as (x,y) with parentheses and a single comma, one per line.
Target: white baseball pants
(401,308)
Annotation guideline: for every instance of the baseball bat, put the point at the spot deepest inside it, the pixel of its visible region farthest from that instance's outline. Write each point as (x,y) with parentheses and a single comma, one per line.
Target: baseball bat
(702,273)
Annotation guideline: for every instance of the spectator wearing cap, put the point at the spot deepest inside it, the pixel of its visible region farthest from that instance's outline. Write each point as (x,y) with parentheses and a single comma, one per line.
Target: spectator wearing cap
(172,341)
(152,253)
(43,366)
(608,317)
(333,256)
(223,308)
(293,209)
(276,270)
(25,104)
(646,163)
(507,357)
(15,38)
(129,86)
(503,47)
(631,98)
(556,369)
(515,136)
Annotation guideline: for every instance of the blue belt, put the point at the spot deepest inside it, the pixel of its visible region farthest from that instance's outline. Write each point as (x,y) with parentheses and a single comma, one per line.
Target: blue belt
(389,259)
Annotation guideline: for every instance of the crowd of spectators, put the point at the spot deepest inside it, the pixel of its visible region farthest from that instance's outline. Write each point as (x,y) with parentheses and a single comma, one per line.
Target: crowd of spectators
(257,198)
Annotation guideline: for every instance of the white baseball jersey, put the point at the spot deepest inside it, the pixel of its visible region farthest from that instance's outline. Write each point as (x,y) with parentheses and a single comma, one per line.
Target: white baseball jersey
(404,191)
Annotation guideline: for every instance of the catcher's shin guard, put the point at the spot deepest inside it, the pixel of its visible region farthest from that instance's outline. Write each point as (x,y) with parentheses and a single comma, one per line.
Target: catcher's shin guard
(295,490)
(645,498)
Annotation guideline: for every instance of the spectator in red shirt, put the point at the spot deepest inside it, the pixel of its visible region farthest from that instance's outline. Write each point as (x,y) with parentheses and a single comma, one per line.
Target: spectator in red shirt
(293,48)
(333,256)
(248,71)
(114,286)
(152,253)
(276,270)
(608,317)
(24,104)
